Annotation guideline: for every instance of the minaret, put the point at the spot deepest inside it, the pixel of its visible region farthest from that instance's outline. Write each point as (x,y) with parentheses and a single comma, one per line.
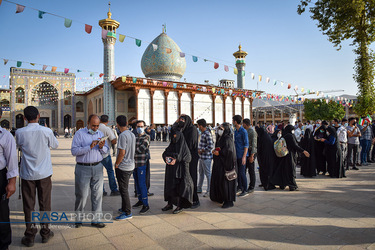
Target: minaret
(240,64)
(109,65)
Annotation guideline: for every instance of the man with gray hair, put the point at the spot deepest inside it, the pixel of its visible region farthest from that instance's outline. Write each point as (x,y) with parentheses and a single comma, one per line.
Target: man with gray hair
(89,151)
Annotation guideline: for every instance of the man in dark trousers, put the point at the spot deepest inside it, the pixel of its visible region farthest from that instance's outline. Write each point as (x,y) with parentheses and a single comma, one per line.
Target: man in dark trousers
(8,175)
(250,162)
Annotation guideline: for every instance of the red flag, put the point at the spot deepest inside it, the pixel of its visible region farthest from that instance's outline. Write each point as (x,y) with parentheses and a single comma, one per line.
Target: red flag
(20,8)
(88,28)
(226,68)
(66,70)
(101,74)
(216,65)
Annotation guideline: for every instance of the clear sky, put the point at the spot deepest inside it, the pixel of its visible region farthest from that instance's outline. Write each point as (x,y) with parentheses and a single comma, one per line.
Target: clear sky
(282,45)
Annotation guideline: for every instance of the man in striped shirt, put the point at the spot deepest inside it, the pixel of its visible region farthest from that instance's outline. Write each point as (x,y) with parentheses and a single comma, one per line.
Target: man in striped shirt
(205,148)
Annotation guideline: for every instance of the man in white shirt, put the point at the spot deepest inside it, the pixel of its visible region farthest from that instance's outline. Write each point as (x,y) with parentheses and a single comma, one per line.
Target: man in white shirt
(107,160)
(8,175)
(298,132)
(35,142)
(342,136)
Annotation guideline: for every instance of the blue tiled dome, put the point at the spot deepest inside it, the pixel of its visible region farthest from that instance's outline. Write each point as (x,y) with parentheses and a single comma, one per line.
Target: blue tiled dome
(160,64)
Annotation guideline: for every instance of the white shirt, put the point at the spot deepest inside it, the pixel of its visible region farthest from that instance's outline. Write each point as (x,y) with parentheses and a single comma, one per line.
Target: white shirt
(35,142)
(8,153)
(342,134)
(298,134)
(66,130)
(107,131)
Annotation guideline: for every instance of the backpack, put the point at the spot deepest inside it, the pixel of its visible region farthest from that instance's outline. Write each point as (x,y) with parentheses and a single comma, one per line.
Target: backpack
(280,147)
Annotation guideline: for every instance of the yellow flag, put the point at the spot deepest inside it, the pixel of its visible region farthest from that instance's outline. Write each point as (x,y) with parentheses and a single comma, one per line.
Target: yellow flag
(317,93)
(123,79)
(235,71)
(260,78)
(121,38)
(54,69)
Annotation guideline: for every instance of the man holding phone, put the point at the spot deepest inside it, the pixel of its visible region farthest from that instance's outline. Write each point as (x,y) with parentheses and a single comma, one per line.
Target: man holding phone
(8,175)
(89,151)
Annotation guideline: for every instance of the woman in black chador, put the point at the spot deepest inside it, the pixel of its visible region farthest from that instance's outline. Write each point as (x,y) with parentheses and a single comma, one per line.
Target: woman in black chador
(319,145)
(178,185)
(308,164)
(335,164)
(190,132)
(285,173)
(222,190)
(266,157)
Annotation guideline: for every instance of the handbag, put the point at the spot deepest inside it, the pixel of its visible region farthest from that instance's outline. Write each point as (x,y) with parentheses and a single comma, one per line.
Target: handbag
(231,175)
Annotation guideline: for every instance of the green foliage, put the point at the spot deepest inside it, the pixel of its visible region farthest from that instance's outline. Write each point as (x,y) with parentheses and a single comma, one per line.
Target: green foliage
(320,109)
(341,20)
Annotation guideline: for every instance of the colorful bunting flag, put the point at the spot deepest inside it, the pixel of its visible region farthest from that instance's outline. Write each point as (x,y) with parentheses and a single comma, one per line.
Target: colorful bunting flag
(66,70)
(216,65)
(226,68)
(274,82)
(267,79)
(195,59)
(91,74)
(235,71)
(41,13)
(165,84)
(145,81)
(101,74)
(302,90)
(121,38)
(53,68)
(123,79)
(174,85)
(19,8)
(104,33)
(88,28)
(260,78)
(19,63)
(182,54)
(32,64)
(78,70)
(5,61)
(281,84)
(213,90)
(44,67)
(68,22)
(252,76)
(134,79)
(138,42)
(289,86)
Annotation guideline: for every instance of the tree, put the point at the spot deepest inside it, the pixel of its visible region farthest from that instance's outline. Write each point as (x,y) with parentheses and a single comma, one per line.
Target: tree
(341,20)
(320,109)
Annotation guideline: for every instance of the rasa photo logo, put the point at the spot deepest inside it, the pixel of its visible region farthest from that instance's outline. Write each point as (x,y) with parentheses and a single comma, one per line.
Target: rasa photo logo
(65,217)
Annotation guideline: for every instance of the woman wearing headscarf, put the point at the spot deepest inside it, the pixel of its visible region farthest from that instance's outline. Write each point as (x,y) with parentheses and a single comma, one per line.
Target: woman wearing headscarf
(285,173)
(319,148)
(276,135)
(335,164)
(308,164)
(178,185)
(190,133)
(224,159)
(266,158)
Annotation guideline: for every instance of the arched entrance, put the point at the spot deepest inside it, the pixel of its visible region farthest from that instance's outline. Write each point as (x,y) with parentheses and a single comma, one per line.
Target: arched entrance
(20,123)
(67,121)
(45,96)
(80,124)
(4,124)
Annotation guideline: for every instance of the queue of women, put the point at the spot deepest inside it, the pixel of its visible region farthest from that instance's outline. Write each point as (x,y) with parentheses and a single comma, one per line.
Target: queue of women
(318,151)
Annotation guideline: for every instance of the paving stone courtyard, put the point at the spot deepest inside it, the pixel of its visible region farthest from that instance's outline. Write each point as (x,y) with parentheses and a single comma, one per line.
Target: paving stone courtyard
(325,214)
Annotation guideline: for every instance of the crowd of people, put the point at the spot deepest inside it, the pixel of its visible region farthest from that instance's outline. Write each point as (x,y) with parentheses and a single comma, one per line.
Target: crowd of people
(222,155)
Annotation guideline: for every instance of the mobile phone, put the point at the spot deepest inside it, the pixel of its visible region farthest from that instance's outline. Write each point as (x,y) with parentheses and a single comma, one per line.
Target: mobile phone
(169,159)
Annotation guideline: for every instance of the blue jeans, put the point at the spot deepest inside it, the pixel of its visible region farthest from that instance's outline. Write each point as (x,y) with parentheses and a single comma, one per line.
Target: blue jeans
(107,163)
(365,144)
(242,180)
(139,175)
(86,178)
(204,170)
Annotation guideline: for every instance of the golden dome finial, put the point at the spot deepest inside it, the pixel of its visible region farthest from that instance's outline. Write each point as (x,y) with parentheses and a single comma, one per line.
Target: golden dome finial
(240,47)
(109,10)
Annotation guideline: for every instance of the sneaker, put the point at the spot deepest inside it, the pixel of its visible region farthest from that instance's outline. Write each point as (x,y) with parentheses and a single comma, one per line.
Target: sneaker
(105,193)
(138,204)
(144,210)
(239,191)
(250,190)
(120,211)
(115,193)
(29,242)
(355,168)
(206,194)
(124,216)
(46,239)
(150,194)
(195,205)
(243,194)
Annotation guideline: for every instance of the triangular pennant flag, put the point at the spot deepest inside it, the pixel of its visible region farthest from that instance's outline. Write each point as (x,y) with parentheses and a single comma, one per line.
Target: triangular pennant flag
(289,86)
(195,59)
(5,61)
(19,63)
(123,79)
(68,22)
(216,65)
(226,68)
(101,74)
(78,70)
(281,84)
(168,50)
(235,71)
(252,76)
(182,54)
(41,13)
(121,38)
(104,33)
(174,85)
(134,80)
(44,67)
(144,81)
(138,42)
(91,74)
(66,70)
(267,79)
(165,84)
(260,78)
(274,82)
(20,8)
(213,90)
(32,64)
(296,88)
(54,69)
(243,73)
(88,28)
